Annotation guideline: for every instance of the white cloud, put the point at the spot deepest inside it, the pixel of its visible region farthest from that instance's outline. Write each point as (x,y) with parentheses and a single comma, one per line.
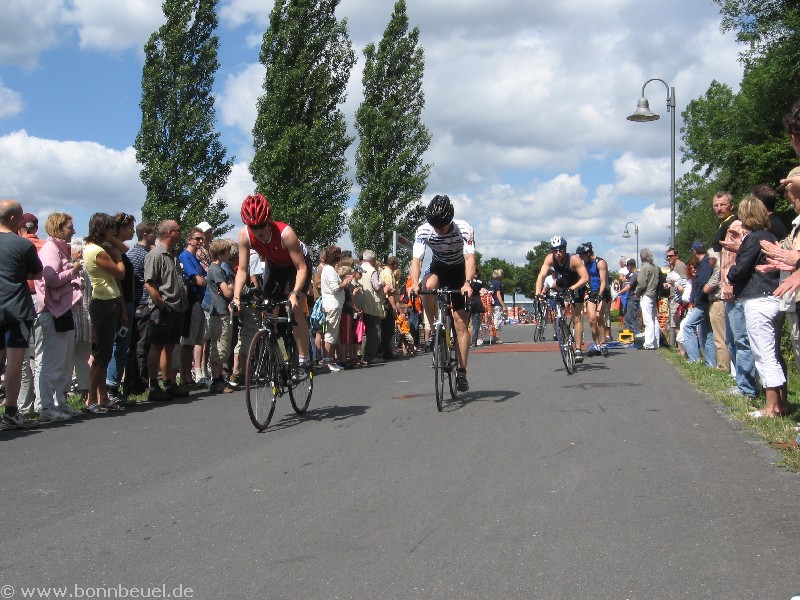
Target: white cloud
(526,103)
(642,176)
(10,102)
(27,28)
(239,185)
(79,177)
(117,25)
(240,12)
(240,93)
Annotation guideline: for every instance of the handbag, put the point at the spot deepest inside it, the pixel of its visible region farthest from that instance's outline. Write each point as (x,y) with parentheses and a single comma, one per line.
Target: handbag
(361,329)
(64,323)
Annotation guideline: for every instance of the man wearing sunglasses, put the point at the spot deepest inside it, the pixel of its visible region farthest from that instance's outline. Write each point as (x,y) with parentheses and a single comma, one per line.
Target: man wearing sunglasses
(288,266)
(194,324)
(677,271)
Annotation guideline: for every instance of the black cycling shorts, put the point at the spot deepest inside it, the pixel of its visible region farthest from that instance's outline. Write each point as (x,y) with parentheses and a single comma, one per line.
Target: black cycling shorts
(281,281)
(451,277)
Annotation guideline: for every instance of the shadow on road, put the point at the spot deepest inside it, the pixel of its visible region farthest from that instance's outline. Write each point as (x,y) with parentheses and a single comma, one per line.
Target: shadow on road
(479,396)
(333,413)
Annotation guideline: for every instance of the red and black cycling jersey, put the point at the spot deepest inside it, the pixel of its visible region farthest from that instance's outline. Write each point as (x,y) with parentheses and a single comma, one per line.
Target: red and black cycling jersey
(273,251)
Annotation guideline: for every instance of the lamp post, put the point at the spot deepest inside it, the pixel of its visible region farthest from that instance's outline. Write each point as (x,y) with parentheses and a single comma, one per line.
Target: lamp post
(626,235)
(642,114)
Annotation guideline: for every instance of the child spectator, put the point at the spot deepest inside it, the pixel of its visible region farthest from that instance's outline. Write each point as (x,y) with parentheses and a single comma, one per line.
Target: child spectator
(220,286)
(403,326)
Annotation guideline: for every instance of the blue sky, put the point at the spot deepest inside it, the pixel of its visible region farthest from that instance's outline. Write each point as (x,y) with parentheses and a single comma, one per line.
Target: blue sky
(526,103)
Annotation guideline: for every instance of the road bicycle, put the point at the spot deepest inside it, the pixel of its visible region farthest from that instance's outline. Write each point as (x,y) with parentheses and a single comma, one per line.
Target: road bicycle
(272,365)
(564,330)
(445,357)
(540,312)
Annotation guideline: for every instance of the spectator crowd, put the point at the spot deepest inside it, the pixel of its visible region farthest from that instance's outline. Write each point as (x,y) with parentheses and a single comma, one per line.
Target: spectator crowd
(727,306)
(112,318)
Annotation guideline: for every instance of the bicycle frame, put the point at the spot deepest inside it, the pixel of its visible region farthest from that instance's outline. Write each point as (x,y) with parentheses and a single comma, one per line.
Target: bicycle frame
(566,338)
(445,353)
(271,372)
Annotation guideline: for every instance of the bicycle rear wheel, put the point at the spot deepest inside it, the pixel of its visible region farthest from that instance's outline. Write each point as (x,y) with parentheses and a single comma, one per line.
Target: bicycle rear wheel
(300,393)
(439,365)
(261,380)
(565,345)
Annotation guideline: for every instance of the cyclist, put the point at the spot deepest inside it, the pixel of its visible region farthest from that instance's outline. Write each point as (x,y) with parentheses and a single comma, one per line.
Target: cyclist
(548,285)
(453,266)
(570,274)
(599,296)
(289,268)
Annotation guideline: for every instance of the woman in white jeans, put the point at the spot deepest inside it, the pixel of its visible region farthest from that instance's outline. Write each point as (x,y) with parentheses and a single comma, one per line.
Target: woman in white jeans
(647,287)
(59,294)
(754,289)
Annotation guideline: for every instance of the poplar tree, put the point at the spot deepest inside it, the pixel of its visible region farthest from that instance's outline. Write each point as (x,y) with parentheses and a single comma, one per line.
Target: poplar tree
(300,135)
(183,160)
(393,139)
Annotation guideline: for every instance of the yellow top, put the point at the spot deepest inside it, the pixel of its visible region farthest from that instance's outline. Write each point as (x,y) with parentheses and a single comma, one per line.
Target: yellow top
(104,286)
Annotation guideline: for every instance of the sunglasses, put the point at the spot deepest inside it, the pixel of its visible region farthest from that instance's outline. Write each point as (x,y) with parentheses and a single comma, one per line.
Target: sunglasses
(198,239)
(671,256)
(260,225)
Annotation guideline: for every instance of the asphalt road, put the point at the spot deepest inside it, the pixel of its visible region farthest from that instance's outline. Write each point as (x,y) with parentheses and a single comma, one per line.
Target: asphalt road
(617,482)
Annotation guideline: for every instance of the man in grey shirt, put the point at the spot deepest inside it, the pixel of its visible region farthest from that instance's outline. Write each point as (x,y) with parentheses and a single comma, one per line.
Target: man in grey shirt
(163,280)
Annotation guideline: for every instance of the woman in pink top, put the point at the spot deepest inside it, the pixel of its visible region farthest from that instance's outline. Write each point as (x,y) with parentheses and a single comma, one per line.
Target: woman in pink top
(58,292)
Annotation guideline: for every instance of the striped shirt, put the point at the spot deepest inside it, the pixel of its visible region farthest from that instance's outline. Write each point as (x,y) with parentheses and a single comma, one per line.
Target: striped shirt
(136,256)
(449,248)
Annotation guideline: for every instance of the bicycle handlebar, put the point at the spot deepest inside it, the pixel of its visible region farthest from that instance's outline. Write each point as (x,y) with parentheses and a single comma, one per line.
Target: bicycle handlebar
(442,292)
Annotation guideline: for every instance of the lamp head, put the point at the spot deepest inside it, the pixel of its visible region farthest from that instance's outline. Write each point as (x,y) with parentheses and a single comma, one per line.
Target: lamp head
(627,234)
(643,112)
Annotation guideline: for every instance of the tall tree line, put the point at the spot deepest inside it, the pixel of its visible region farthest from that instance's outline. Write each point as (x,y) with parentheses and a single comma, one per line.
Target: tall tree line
(300,135)
(393,138)
(735,141)
(183,161)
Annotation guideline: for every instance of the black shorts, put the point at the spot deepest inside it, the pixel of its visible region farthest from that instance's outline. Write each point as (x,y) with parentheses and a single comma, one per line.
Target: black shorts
(281,280)
(451,277)
(15,335)
(606,297)
(165,326)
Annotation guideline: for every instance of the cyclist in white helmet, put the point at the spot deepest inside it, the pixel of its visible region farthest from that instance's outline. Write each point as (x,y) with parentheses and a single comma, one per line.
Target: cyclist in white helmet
(570,274)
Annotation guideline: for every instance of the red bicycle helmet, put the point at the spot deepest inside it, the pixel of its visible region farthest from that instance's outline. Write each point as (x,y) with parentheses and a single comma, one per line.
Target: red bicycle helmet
(255,210)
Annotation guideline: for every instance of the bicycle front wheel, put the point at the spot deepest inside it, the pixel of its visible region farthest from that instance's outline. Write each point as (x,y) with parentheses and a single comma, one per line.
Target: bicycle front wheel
(439,365)
(261,380)
(565,345)
(538,335)
(452,363)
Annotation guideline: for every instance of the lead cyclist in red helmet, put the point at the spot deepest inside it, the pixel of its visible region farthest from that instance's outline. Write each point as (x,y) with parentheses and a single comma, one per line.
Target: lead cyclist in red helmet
(452,244)
(288,263)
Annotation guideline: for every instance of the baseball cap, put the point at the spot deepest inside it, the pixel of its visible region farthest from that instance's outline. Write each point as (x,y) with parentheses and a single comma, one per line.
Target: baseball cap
(699,247)
(30,220)
(205,226)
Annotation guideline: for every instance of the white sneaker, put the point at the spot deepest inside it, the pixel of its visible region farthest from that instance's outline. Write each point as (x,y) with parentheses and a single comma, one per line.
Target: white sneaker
(49,415)
(69,411)
(334,367)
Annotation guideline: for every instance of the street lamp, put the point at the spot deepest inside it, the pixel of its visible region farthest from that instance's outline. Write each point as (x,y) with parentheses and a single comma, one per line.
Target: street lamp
(627,236)
(643,113)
